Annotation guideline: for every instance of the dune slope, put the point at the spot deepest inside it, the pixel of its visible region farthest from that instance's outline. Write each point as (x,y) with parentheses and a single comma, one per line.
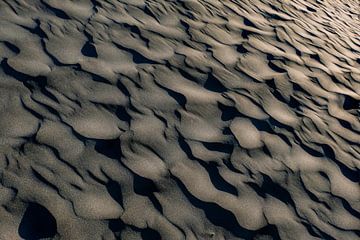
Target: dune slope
(154,119)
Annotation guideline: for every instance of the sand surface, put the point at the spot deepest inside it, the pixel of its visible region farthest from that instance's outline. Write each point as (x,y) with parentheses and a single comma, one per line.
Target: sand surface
(154,119)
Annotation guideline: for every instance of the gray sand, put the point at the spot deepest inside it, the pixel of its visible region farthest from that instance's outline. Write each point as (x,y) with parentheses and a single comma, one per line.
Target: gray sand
(171,120)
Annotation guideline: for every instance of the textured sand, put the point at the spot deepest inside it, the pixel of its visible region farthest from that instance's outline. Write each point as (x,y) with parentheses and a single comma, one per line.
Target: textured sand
(207,119)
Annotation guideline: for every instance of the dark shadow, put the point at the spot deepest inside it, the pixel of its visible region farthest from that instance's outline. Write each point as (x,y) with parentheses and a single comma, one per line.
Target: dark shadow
(185,147)
(216,214)
(311,151)
(110,147)
(213,84)
(241,49)
(228,112)
(310,9)
(315,57)
(335,80)
(178,97)
(150,234)
(266,150)
(313,197)
(22,77)
(96,5)
(297,87)
(88,34)
(273,16)
(116,225)
(146,187)
(114,189)
(37,30)
(312,230)
(177,115)
(345,124)
(271,84)
(275,190)
(230,166)
(324,175)
(162,119)
(189,76)
(284,138)
(138,58)
(268,232)
(132,28)
(122,114)
(89,50)
(323,235)
(227,131)
(219,147)
(350,103)
(58,12)
(36,114)
(293,103)
(257,189)
(275,92)
(245,34)
(262,125)
(276,68)
(278,124)
(217,180)
(37,223)
(348,208)
(95,178)
(43,180)
(352,175)
(31,83)
(122,88)
(12,47)
(249,23)
(149,12)
(94,76)
(184,24)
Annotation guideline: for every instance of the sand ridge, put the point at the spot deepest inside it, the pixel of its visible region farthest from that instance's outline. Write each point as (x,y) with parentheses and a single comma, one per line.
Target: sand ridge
(205,119)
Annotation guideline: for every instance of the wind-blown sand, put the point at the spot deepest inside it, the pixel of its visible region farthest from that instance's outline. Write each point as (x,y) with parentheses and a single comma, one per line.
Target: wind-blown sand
(171,120)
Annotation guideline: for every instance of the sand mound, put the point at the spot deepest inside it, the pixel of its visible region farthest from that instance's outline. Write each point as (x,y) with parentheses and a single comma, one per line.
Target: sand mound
(156,119)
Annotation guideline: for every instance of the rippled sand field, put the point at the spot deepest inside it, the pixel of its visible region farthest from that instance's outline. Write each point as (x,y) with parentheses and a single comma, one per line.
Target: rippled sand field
(179,120)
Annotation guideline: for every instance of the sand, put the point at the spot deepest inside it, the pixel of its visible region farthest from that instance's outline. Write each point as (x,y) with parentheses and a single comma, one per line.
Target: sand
(193,119)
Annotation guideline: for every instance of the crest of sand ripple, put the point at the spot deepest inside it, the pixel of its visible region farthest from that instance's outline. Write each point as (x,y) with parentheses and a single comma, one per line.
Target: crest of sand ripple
(179,119)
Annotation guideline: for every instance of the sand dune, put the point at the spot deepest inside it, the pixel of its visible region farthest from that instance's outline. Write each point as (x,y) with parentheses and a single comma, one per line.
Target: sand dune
(196,119)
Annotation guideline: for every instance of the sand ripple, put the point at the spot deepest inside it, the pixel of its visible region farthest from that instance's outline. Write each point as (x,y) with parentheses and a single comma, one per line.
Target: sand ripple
(136,119)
